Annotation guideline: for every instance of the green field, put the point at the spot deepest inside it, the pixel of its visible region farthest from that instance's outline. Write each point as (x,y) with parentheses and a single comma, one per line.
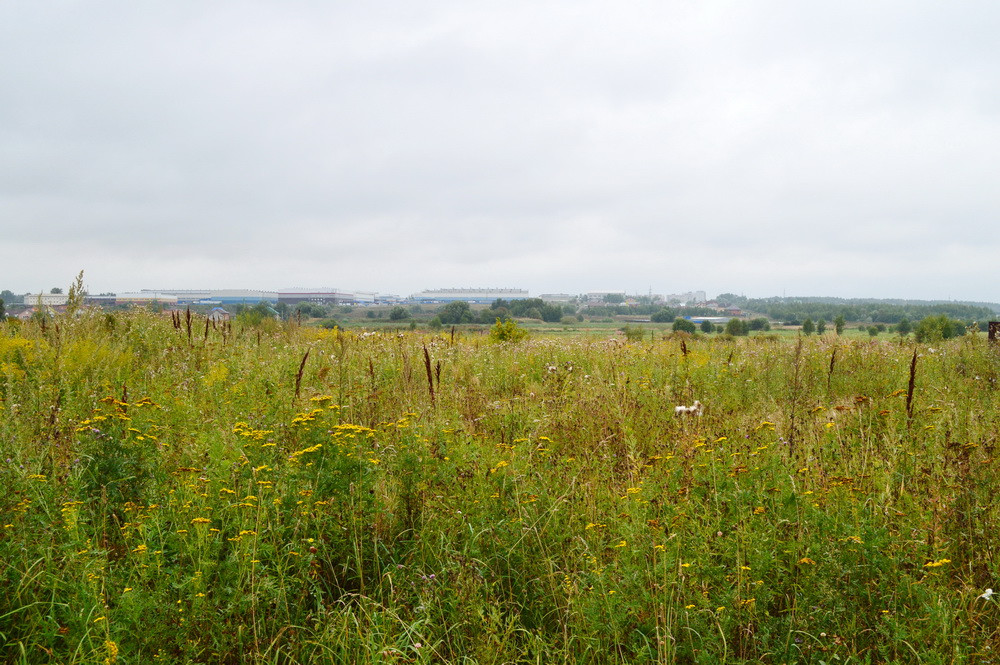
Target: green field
(286,494)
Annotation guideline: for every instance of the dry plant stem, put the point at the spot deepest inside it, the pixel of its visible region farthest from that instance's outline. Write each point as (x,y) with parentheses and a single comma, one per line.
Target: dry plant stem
(909,388)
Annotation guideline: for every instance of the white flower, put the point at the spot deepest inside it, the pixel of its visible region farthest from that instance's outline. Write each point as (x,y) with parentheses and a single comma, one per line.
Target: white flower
(987,594)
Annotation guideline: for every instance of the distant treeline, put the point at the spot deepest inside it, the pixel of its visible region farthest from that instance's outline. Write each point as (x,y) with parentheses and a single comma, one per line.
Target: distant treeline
(861,310)
(658,310)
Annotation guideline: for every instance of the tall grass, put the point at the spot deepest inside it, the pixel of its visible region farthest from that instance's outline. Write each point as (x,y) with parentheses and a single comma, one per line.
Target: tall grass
(219,499)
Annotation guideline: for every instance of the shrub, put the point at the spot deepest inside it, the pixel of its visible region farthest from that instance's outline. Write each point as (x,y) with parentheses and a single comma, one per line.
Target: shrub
(684,325)
(937,328)
(507,331)
(737,328)
(633,333)
(665,315)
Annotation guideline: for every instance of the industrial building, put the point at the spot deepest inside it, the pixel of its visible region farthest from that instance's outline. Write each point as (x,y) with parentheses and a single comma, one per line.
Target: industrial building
(217,296)
(325,296)
(476,296)
(145,298)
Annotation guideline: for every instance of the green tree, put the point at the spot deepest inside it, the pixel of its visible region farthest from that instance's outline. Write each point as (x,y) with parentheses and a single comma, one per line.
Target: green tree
(904,327)
(821,326)
(707,326)
(311,310)
(3,310)
(55,289)
(737,327)
(684,325)
(937,328)
(665,315)
(839,323)
(456,312)
(808,327)
(398,313)
(254,316)
(551,313)
(490,315)
(759,323)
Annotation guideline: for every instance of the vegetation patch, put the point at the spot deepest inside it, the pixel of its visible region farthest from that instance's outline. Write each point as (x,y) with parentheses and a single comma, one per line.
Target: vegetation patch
(269,492)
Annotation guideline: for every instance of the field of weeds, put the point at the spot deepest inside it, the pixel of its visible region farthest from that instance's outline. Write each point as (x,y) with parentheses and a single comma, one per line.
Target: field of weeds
(172,492)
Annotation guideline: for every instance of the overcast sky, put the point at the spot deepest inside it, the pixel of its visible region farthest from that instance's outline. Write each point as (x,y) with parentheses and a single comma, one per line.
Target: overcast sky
(844,148)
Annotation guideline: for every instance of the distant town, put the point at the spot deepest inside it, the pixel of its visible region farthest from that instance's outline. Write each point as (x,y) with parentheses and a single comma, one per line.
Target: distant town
(684,312)
(328,296)
(24,306)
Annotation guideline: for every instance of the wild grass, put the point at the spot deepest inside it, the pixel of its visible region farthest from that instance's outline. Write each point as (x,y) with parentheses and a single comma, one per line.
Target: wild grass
(293,495)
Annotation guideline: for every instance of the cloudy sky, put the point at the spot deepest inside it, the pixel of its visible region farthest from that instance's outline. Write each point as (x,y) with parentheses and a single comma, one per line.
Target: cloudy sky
(808,148)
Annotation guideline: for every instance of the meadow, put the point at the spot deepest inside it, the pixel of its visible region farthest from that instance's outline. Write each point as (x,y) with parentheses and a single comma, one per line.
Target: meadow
(177,492)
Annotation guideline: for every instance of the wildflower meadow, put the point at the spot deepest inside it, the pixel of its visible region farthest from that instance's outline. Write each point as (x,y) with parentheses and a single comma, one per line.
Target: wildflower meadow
(275,493)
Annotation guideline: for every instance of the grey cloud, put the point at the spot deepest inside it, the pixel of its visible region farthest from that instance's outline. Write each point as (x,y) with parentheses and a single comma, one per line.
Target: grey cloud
(539,145)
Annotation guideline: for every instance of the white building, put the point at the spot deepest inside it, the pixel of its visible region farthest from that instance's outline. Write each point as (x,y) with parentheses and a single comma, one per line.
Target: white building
(48,299)
(689,298)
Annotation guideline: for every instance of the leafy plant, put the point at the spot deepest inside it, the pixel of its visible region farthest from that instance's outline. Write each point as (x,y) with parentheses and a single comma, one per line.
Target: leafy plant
(507,331)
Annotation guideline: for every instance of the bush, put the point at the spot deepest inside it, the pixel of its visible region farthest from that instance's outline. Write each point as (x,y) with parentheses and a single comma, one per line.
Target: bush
(398,313)
(633,333)
(737,328)
(665,315)
(507,331)
(684,325)
(937,328)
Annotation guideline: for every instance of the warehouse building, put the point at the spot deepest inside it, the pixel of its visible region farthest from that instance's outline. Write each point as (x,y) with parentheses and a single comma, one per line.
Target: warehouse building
(475,296)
